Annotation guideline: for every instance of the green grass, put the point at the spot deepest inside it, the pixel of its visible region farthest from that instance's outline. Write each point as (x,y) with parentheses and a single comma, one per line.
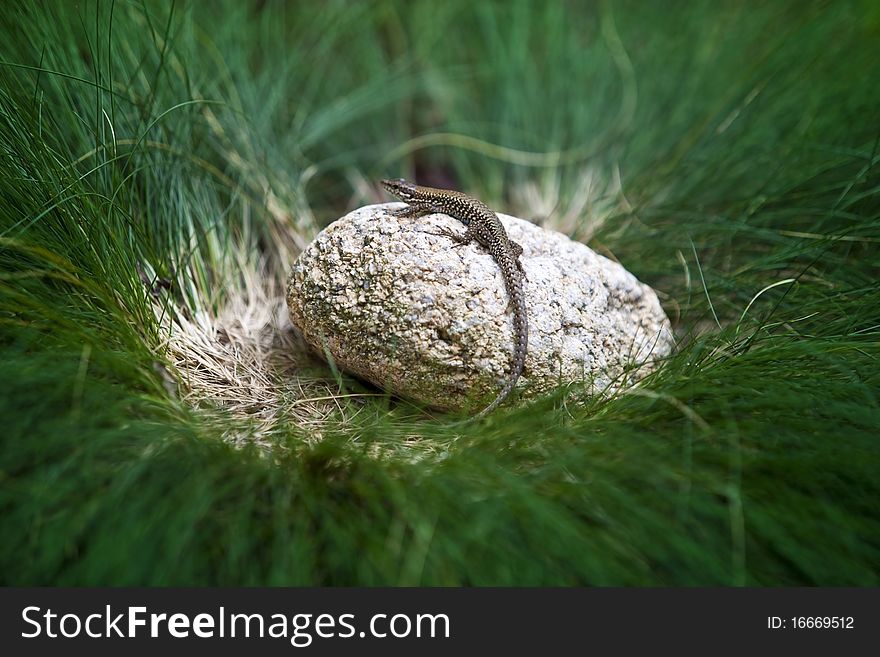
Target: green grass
(731,154)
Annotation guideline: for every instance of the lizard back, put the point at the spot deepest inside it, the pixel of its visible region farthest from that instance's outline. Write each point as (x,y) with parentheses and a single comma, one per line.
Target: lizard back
(484,227)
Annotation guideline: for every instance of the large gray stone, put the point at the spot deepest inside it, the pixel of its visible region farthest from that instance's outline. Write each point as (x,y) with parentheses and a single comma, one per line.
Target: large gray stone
(393,303)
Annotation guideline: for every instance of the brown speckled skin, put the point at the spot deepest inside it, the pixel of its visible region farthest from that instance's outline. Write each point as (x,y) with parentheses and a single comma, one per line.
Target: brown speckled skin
(483,226)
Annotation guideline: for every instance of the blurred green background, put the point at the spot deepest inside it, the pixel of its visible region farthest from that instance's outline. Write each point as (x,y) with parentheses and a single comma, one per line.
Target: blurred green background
(162,164)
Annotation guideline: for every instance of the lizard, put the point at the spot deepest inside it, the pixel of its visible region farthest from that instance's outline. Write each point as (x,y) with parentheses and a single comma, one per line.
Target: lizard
(484,227)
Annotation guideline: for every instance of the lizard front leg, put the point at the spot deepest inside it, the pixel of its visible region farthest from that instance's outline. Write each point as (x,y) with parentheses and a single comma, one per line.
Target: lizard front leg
(409,212)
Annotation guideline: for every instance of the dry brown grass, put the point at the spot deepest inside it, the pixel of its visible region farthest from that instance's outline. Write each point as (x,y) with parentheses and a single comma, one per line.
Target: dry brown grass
(246,359)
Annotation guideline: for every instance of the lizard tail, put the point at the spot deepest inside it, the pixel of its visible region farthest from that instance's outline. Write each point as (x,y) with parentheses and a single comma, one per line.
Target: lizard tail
(521,328)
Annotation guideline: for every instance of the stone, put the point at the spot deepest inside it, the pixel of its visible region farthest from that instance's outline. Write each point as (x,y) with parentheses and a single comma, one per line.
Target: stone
(388,300)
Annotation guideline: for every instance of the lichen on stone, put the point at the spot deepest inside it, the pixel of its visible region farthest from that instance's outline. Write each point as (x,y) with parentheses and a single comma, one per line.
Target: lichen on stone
(394,303)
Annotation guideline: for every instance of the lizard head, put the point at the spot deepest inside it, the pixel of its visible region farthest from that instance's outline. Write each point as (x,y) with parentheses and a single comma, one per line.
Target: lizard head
(402,189)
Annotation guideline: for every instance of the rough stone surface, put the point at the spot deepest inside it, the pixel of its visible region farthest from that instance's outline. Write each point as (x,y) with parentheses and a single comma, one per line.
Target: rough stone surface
(393,303)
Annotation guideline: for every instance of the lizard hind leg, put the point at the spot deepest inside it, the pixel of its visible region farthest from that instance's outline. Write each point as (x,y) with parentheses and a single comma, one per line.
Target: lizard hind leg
(516,250)
(459,239)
